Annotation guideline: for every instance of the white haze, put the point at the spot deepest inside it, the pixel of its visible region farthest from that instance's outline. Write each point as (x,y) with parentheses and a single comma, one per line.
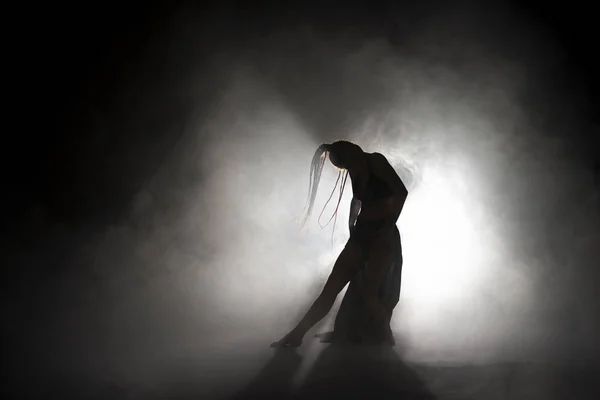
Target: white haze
(212,253)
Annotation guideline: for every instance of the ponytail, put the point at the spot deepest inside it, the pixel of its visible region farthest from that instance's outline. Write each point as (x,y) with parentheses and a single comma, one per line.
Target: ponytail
(316,168)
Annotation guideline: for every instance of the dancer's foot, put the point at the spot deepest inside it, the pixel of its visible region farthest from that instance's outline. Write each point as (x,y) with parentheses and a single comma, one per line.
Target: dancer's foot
(292,339)
(326,337)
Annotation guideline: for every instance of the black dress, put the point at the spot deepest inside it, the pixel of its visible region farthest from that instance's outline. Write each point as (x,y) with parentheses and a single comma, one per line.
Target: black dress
(354,323)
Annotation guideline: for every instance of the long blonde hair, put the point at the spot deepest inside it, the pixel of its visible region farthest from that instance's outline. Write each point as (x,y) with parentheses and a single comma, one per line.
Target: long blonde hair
(341,150)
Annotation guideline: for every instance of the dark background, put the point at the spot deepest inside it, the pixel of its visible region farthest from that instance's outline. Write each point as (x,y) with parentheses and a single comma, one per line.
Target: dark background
(75,154)
(76,59)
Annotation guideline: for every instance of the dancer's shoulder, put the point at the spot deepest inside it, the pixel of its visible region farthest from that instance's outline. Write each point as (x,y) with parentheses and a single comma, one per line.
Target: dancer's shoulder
(378,159)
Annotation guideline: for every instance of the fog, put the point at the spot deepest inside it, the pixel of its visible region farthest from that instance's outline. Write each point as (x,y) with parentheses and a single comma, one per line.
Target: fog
(498,230)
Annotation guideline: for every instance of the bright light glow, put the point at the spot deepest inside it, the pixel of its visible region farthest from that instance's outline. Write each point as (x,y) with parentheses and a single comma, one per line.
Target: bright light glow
(260,272)
(441,250)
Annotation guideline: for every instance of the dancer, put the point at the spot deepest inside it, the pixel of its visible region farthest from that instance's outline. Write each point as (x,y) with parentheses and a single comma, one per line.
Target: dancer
(372,257)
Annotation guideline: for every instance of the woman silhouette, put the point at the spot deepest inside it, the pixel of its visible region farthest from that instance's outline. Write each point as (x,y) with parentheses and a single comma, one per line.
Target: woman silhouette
(372,257)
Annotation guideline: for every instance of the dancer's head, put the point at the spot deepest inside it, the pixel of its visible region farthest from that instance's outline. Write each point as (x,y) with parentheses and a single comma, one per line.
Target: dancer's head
(345,155)
(342,154)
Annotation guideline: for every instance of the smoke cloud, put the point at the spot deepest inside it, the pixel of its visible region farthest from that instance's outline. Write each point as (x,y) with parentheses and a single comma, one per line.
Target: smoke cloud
(497,232)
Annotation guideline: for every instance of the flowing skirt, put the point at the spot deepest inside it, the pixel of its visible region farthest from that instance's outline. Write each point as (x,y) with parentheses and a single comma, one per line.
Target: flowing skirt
(354,323)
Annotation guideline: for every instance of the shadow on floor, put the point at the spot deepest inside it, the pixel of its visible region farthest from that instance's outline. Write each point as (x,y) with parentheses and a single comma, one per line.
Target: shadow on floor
(362,372)
(275,379)
(339,372)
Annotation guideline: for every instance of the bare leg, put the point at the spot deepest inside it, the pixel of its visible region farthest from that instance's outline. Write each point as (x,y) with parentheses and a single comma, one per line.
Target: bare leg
(347,264)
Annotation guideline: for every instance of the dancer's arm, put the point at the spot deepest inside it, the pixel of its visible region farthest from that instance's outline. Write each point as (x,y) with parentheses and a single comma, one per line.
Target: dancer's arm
(381,168)
(355,206)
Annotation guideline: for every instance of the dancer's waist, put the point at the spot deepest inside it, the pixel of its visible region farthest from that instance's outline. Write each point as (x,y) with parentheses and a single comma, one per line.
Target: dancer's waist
(375,224)
(379,209)
(368,230)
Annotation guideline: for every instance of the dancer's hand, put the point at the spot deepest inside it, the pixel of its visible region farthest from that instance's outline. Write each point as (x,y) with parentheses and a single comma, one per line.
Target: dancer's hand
(292,339)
